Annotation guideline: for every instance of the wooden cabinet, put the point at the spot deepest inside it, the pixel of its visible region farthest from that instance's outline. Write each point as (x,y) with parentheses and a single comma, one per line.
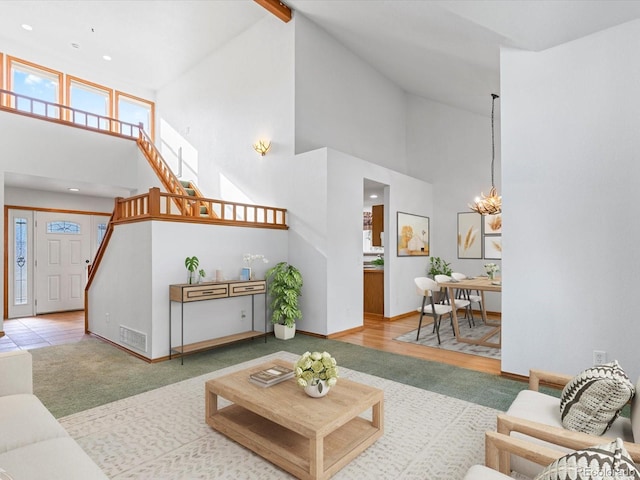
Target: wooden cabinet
(374,291)
(377,225)
(185,293)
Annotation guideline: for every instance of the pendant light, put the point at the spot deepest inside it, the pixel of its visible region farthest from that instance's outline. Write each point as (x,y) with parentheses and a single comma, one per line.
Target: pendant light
(491,204)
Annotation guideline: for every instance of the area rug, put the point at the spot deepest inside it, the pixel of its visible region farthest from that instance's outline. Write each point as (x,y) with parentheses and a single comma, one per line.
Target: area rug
(448,341)
(161,434)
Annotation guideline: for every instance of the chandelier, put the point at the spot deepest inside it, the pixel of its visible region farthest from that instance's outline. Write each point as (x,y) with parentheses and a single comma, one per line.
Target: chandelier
(491,204)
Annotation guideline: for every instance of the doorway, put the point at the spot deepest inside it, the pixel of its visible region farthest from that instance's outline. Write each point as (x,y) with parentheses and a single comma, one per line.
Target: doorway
(373,247)
(48,253)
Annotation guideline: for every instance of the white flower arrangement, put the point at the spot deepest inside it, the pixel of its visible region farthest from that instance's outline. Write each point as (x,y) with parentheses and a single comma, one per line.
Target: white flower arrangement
(313,367)
(249,259)
(491,268)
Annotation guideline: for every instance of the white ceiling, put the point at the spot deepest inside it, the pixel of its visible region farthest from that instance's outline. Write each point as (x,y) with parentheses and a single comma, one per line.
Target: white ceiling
(446,50)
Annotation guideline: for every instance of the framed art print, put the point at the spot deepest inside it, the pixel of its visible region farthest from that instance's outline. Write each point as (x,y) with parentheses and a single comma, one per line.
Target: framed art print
(469,235)
(493,247)
(413,235)
(492,224)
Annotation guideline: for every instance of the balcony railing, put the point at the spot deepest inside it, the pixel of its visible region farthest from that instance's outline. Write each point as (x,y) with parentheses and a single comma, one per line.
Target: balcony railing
(55,112)
(157,205)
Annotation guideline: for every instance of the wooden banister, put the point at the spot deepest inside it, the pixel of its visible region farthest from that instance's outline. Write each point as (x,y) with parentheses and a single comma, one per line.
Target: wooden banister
(58,113)
(157,205)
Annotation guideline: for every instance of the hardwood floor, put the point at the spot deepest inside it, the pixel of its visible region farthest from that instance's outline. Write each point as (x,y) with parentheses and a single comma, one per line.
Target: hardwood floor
(66,327)
(379,334)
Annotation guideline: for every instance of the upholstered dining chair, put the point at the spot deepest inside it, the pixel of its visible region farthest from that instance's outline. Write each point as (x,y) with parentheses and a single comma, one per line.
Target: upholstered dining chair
(536,416)
(431,303)
(459,303)
(466,294)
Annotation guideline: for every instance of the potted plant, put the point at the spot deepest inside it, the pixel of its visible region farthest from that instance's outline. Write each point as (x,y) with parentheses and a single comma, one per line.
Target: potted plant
(201,275)
(192,265)
(437,266)
(284,287)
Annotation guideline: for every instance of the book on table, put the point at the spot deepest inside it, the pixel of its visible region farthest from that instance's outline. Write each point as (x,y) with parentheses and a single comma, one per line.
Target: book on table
(271,376)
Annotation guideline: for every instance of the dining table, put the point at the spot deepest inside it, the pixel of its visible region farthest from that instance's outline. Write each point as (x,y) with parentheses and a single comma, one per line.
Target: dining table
(481,284)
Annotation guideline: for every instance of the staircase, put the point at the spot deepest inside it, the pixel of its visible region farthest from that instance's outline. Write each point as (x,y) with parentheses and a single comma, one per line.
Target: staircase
(193,191)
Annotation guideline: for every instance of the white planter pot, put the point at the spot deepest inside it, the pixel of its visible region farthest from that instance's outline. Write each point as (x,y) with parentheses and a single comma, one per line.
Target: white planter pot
(283,332)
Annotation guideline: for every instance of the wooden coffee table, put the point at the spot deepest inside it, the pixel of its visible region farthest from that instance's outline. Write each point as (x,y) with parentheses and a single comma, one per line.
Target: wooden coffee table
(308,437)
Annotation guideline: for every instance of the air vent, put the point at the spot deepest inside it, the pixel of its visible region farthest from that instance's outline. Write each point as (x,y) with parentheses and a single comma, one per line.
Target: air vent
(133,338)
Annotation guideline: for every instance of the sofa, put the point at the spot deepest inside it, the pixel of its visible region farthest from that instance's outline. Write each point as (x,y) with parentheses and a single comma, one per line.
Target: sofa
(33,445)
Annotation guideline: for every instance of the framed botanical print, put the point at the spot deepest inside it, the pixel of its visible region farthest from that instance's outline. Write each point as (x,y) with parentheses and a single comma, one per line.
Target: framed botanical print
(493,247)
(469,235)
(413,235)
(492,224)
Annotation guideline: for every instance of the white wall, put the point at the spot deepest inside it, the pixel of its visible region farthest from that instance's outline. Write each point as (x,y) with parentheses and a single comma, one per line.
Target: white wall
(144,258)
(50,150)
(343,103)
(570,148)
(239,94)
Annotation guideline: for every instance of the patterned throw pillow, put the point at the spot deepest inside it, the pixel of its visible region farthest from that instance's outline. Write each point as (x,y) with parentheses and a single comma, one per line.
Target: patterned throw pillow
(591,401)
(603,462)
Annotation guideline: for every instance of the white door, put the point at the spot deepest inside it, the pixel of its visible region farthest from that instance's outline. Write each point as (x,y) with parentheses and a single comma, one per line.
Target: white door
(63,247)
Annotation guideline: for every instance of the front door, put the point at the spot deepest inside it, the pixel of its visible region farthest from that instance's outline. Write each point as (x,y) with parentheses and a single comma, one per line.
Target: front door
(63,249)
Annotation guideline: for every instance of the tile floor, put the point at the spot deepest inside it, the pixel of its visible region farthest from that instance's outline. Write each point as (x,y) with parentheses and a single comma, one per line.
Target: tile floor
(42,331)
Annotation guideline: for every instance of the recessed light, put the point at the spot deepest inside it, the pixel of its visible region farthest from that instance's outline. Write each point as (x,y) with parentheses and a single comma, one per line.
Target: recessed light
(72,189)
(373,196)
(27,27)
(107,58)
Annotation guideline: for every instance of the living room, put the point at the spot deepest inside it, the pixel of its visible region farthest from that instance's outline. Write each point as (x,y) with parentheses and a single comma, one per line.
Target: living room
(566,162)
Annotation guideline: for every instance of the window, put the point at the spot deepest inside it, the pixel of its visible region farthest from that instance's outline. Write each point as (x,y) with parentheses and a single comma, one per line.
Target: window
(36,82)
(20,261)
(135,110)
(102,230)
(92,98)
(71,228)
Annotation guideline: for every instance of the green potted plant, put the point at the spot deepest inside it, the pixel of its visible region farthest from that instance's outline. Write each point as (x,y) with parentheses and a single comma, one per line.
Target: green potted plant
(284,287)
(201,275)
(438,266)
(191,263)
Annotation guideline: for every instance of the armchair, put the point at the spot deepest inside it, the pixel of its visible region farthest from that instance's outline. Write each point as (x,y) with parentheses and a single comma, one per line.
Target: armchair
(536,416)
(499,446)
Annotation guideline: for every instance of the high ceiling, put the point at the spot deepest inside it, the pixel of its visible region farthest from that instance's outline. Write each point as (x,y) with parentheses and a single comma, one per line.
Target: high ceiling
(440,49)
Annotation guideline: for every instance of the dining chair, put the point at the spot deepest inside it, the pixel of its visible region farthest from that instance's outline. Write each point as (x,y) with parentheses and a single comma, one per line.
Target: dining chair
(466,293)
(431,303)
(459,303)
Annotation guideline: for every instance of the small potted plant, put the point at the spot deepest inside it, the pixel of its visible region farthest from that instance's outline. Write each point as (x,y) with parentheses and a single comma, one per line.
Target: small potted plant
(284,287)
(491,269)
(191,263)
(201,275)
(316,372)
(437,266)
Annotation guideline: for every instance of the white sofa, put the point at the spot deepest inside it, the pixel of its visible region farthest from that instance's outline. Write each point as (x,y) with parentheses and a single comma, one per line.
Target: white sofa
(33,445)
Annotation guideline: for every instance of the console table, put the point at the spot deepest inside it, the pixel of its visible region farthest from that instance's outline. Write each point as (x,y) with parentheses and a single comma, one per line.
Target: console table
(186,293)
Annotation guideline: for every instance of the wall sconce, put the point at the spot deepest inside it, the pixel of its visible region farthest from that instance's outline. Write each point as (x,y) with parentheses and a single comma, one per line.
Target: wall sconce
(262,147)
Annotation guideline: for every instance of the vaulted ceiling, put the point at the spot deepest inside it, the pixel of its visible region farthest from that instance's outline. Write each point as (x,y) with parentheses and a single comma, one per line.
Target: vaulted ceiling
(440,49)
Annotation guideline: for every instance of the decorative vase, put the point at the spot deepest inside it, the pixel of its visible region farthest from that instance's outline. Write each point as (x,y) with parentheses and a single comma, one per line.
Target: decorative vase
(318,389)
(492,275)
(191,278)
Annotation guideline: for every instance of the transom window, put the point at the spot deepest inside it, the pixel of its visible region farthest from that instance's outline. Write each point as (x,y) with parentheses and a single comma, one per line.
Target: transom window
(92,98)
(35,82)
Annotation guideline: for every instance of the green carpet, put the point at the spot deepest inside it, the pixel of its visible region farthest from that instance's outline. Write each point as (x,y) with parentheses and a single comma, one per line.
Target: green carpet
(74,377)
